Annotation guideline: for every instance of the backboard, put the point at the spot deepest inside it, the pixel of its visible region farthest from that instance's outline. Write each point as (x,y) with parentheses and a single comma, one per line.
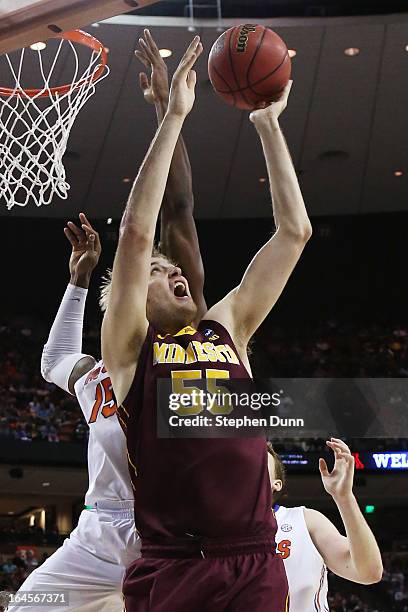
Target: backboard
(23,22)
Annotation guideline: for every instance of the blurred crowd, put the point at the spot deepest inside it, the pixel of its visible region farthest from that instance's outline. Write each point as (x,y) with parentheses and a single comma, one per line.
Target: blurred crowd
(33,410)
(332,349)
(15,568)
(339,602)
(391,595)
(395,581)
(35,535)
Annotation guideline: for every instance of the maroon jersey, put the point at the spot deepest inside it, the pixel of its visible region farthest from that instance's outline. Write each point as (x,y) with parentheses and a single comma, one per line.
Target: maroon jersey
(210,487)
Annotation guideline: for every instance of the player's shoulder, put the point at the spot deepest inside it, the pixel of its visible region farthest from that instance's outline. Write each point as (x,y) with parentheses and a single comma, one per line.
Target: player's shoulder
(306,524)
(93,372)
(282,509)
(312,514)
(80,367)
(314,519)
(211,319)
(282,512)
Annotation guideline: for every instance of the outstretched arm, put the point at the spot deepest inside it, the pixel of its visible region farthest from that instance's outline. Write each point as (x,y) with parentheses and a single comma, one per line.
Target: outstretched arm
(62,361)
(125,324)
(244,309)
(357,556)
(178,234)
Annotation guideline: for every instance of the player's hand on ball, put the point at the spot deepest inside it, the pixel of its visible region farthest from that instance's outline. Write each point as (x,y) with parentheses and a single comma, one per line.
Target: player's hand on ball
(155,90)
(86,249)
(182,91)
(273,110)
(339,482)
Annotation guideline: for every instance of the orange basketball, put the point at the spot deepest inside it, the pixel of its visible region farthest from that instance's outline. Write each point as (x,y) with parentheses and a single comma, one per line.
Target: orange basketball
(248,65)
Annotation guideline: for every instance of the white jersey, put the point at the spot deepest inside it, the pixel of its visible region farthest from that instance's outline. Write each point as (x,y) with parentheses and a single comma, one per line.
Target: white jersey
(305,568)
(107,456)
(91,563)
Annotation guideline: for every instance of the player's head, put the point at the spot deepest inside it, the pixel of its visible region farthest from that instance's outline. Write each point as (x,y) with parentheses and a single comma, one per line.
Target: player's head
(170,306)
(277,474)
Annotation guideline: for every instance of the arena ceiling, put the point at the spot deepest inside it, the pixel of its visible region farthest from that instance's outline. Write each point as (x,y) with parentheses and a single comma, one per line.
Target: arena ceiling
(275,8)
(346,123)
(37,484)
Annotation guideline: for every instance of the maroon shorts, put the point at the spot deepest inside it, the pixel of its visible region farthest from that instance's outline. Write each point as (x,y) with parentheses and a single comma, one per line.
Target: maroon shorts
(227,576)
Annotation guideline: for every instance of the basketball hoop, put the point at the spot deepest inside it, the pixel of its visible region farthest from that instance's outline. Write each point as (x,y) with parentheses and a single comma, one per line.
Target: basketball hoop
(35,124)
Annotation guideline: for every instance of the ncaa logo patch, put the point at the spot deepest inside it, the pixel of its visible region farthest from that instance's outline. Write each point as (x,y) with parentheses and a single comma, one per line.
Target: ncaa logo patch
(286,527)
(209,333)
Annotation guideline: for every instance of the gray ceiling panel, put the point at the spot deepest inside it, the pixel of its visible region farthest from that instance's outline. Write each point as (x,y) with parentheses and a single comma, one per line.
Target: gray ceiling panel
(212,133)
(340,119)
(246,196)
(96,127)
(388,150)
(132,128)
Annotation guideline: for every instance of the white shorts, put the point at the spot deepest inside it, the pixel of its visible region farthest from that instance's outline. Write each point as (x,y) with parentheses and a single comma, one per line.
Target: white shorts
(91,563)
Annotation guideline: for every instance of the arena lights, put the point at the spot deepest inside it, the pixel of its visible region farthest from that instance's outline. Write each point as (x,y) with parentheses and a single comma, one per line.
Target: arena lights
(109,221)
(369,509)
(351,51)
(292,53)
(262,179)
(166,52)
(398,173)
(46,484)
(406,47)
(38,46)
(126,179)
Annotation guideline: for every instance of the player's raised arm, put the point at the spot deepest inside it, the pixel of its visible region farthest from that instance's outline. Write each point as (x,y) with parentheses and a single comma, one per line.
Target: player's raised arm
(62,361)
(357,556)
(125,323)
(244,309)
(178,234)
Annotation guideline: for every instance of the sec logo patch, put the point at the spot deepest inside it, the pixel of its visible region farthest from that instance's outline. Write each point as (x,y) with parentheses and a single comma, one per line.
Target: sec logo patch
(286,527)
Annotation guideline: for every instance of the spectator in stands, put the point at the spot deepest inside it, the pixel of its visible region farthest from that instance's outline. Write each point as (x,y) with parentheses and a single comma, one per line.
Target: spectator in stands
(34,410)
(9,567)
(31,561)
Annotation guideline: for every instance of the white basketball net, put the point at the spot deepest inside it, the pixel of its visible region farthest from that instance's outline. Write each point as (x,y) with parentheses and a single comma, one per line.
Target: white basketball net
(34,131)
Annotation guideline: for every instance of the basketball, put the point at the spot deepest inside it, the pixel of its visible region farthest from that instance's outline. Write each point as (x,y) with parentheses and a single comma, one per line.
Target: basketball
(248,65)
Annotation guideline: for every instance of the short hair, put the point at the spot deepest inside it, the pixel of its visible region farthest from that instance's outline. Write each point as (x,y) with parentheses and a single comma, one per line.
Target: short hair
(280,471)
(105,290)
(105,286)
